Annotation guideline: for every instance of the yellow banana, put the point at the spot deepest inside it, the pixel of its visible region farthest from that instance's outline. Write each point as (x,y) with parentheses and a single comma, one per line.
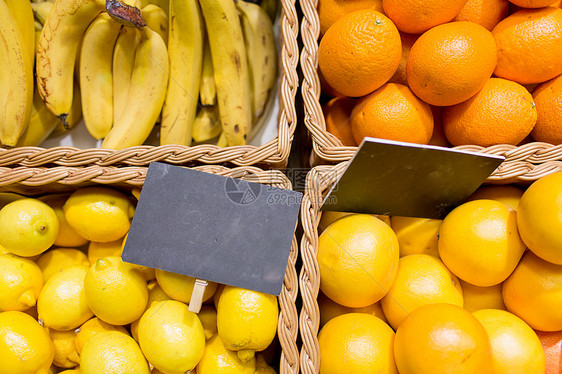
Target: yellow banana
(123,62)
(231,68)
(38,28)
(16,79)
(75,114)
(58,46)
(185,47)
(262,53)
(157,20)
(96,77)
(207,124)
(207,89)
(164,4)
(222,142)
(41,123)
(23,14)
(41,11)
(146,94)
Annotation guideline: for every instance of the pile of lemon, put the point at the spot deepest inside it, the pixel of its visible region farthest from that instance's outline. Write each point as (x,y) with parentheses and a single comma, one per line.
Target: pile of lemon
(68,302)
(477,292)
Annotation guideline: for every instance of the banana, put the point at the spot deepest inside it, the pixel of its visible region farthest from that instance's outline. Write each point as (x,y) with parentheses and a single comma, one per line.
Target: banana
(185,47)
(207,124)
(58,46)
(75,114)
(41,11)
(164,4)
(41,123)
(123,61)
(157,20)
(96,77)
(222,142)
(271,8)
(146,94)
(262,53)
(16,79)
(23,14)
(207,89)
(38,28)
(231,68)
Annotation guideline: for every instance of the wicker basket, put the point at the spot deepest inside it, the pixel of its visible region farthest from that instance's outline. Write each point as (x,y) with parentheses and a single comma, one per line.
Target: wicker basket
(36,181)
(274,153)
(524,162)
(318,182)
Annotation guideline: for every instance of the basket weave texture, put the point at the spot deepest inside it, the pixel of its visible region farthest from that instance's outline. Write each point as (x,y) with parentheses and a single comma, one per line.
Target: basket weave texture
(35,181)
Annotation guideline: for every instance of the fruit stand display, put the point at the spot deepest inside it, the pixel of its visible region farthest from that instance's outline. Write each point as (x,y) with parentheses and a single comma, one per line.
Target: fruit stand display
(382,294)
(138,81)
(66,273)
(415,84)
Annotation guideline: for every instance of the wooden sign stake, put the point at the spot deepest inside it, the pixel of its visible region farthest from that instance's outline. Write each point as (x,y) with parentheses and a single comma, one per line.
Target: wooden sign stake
(197,295)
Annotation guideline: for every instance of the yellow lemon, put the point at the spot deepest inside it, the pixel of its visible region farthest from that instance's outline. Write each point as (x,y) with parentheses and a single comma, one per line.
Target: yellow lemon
(516,349)
(534,293)
(21,282)
(55,260)
(508,195)
(539,217)
(25,347)
(476,298)
(28,227)
(67,236)
(155,293)
(112,352)
(329,217)
(358,259)
(116,291)
(416,235)
(72,371)
(97,250)
(90,328)
(3,250)
(421,280)
(99,214)
(217,295)
(442,338)
(62,302)
(217,359)
(179,287)
(479,242)
(356,343)
(208,317)
(66,355)
(330,309)
(246,320)
(171,337)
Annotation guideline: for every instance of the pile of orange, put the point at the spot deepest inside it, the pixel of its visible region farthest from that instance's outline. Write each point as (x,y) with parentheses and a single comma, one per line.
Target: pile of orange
(493,67)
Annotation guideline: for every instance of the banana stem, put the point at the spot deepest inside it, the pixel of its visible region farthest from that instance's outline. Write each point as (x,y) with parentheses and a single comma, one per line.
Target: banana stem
(125,14)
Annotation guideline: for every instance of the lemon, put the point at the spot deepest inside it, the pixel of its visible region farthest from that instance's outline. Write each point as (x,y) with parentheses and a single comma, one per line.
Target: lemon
(97,250)
(219,360)
(66,355)
(90,328)
(515,346)
(21,282)
(67,236)
(539,218)
(356,343)
(112,352)
(329,217)
(28,227)
(25,347)
(330,309)
(217,295)
(208,317)
(508,195)
(171,337)
(479,242)
(476,298)
(3,250)
(99,214)
(62,303)
(72,371)
(416,235)
(54,260)
(155,293)
(358,259)
(246,320)
(116,291)
(262,367)
(421,280)
(179,287)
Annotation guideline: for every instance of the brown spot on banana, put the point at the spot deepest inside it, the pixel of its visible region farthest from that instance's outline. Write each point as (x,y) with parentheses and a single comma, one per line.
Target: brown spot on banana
(125,14)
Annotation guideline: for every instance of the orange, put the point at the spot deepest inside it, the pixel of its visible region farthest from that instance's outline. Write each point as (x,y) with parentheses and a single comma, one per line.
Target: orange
(359,53)
(539,218)
(326,88)
(508,195)
(487,13)
(529,45)
(548,99)
(533,3)
(534,293)
(476,298)
(515,346)
(479,242)
(416,235)
(337,113)
(417,16)
(438,137)
(358,260)
(421,280)
(329,11)
(408,41)
(392,112)
(450,63)
(356,343)
(552,346)
(442,338)
(502,112)
(330,309)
